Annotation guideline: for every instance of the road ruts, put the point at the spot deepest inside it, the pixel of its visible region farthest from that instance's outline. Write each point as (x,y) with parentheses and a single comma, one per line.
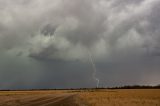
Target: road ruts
(59,100)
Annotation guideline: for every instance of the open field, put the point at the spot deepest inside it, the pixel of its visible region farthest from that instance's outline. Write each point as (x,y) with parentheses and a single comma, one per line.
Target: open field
(104,97)
(122,97)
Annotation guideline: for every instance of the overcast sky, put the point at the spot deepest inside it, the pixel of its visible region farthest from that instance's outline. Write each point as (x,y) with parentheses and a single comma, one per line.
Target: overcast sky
(45,43)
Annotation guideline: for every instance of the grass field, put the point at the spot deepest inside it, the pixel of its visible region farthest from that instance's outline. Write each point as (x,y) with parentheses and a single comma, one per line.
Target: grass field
(104,97)
(122,97)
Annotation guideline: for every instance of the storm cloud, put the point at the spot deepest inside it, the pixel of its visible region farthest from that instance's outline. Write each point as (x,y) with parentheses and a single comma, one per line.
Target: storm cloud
(44,43)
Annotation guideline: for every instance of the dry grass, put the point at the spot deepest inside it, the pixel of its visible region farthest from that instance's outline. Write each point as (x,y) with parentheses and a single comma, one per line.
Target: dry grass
(141,97)
(17,98)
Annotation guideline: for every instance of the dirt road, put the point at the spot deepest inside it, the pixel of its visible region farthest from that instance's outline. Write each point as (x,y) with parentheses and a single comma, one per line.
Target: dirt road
(50,100)
(41,100)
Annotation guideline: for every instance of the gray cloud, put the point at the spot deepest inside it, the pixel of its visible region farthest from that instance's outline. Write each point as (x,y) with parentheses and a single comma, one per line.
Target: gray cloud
(48,30)
(118,33)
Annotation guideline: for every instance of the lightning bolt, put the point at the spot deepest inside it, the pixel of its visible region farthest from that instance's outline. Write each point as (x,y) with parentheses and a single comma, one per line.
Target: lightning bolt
(94,69)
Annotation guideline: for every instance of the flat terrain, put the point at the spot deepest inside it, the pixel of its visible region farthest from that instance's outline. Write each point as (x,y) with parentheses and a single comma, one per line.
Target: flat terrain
(123,97)
(36,98)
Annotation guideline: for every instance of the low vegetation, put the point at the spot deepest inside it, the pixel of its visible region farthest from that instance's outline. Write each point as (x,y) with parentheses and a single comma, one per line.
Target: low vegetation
(82,97)
(122,97)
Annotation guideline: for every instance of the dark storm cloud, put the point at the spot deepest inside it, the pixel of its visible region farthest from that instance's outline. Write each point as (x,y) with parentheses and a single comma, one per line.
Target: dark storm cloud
(48,30)
(51,39)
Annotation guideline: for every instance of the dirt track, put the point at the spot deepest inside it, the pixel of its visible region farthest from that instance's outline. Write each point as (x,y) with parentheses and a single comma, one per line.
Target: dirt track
(40,100)
(59,100)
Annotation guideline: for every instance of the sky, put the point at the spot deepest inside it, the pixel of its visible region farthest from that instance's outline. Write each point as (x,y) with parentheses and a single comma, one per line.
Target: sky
(47,43)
